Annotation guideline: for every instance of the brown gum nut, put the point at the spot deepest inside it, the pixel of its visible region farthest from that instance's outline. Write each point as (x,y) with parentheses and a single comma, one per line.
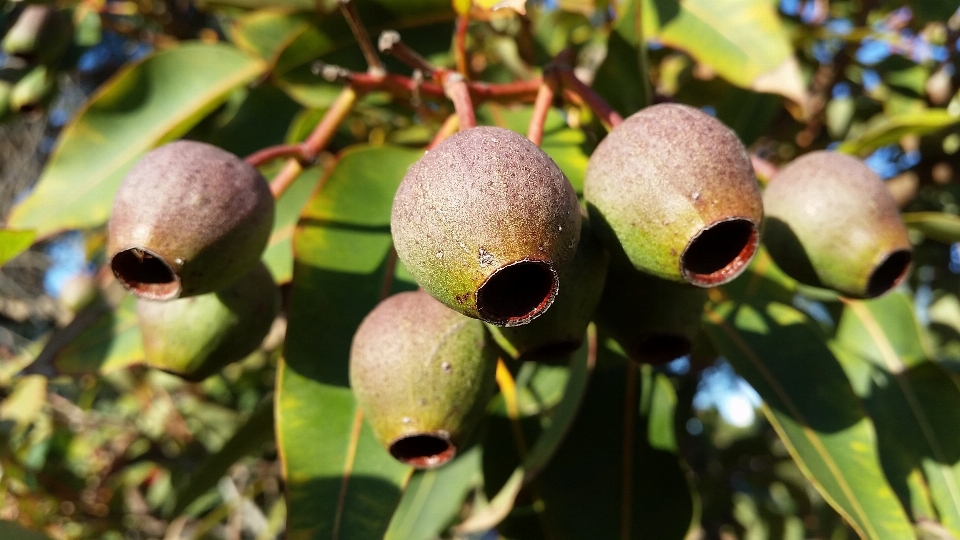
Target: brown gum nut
(485,223)
(188,219)
(672,189)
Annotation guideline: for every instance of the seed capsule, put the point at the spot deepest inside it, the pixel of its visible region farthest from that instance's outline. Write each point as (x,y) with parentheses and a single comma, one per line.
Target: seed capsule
(485,223)
(831,222)
(673,190)
(196,337)
(188,219)
(423,375)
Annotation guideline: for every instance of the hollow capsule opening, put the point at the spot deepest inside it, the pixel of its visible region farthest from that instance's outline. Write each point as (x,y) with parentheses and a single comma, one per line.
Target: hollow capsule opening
(889,273)
(662,348)
(517,293)
(719,253)
(145,274)
(423,450)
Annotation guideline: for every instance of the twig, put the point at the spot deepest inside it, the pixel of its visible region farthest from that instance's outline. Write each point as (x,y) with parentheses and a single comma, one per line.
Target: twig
(262,157)
(456,89)
(349,10)
(460,45)
(541,107)
(316,141)
(390,43)
(597,104)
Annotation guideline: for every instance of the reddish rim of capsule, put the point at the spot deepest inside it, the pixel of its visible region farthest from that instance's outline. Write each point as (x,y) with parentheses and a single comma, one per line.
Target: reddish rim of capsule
(146,274)
(423,450)
(518,292)
(719,252)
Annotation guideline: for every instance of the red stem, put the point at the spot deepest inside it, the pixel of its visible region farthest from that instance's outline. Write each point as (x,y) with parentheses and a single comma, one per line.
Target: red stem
(262,157)
(349,11)
(458,92)
(597,104)
(541,107)
(448,128)
(460,44)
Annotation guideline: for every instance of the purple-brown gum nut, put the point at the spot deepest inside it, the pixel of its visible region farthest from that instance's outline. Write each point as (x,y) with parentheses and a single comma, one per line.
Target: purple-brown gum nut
(196,337)
(188,219)
(561,329)
(485,222)
(653,320)
(831,222)
(673,190)
(423,375)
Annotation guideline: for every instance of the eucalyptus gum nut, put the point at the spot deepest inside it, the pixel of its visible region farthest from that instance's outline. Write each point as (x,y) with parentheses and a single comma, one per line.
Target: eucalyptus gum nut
(561,329)
(41,33)
(196,337)
(831,222)
(486,222)
(188,219)
(654,320)
(673,190)
(423,375)
(30,92)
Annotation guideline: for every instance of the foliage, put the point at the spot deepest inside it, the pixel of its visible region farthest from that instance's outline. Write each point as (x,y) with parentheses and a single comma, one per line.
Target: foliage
(860,403)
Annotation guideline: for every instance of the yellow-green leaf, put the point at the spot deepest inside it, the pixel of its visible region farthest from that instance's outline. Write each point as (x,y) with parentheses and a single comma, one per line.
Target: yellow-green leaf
(142,106)
(884,129)
(13,243)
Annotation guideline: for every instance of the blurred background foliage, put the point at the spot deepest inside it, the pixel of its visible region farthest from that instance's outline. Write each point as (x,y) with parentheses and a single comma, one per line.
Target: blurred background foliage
(797,416)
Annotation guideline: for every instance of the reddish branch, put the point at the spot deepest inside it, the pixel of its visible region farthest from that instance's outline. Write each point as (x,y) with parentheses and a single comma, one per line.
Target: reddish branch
(541,107)
(349,11)
(390,43)
(597,104)
(460,45)
(455,87)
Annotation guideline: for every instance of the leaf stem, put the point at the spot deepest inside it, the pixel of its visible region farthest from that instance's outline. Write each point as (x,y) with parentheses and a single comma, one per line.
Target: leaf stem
(460,44)
(455,87)
(390,43)
(449,127)
(541,107)
(597,104)
(349,10)
(315,143)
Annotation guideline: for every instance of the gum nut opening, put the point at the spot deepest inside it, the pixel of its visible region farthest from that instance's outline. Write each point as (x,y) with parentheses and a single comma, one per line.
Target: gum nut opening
(889,273)
(423,450)
(719,252)
(517,293)
(146,274)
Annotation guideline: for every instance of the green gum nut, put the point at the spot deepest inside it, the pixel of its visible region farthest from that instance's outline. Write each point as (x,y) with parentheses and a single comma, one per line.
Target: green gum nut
(486,222)
(196,337)
(653,320)
(30,92)
(831,222)
(673,190)
(188,219)
(41,34)
(561,329)
(423,375)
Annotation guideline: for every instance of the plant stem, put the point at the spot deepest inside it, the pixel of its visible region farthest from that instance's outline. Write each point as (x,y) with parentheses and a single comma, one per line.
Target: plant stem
(541,107)
(460,44)
(316,141)
(597,104)
(262,157)
(390,43)
(456,89)
(449,127)
(349,10)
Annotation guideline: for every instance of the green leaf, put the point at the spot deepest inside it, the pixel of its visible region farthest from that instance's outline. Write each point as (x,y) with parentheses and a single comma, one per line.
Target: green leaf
(341,483)
(266,33)
(615,475)
(13,243)
(885,129)
(744,41)
(142,106)
(279,253)
(914,403)
(567,146)
(808,401)
(434,498)
(110,343)
(934,225)
(582,363)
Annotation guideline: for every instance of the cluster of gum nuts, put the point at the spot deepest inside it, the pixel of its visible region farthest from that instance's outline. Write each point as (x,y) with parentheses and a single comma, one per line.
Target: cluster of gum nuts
(509,262)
